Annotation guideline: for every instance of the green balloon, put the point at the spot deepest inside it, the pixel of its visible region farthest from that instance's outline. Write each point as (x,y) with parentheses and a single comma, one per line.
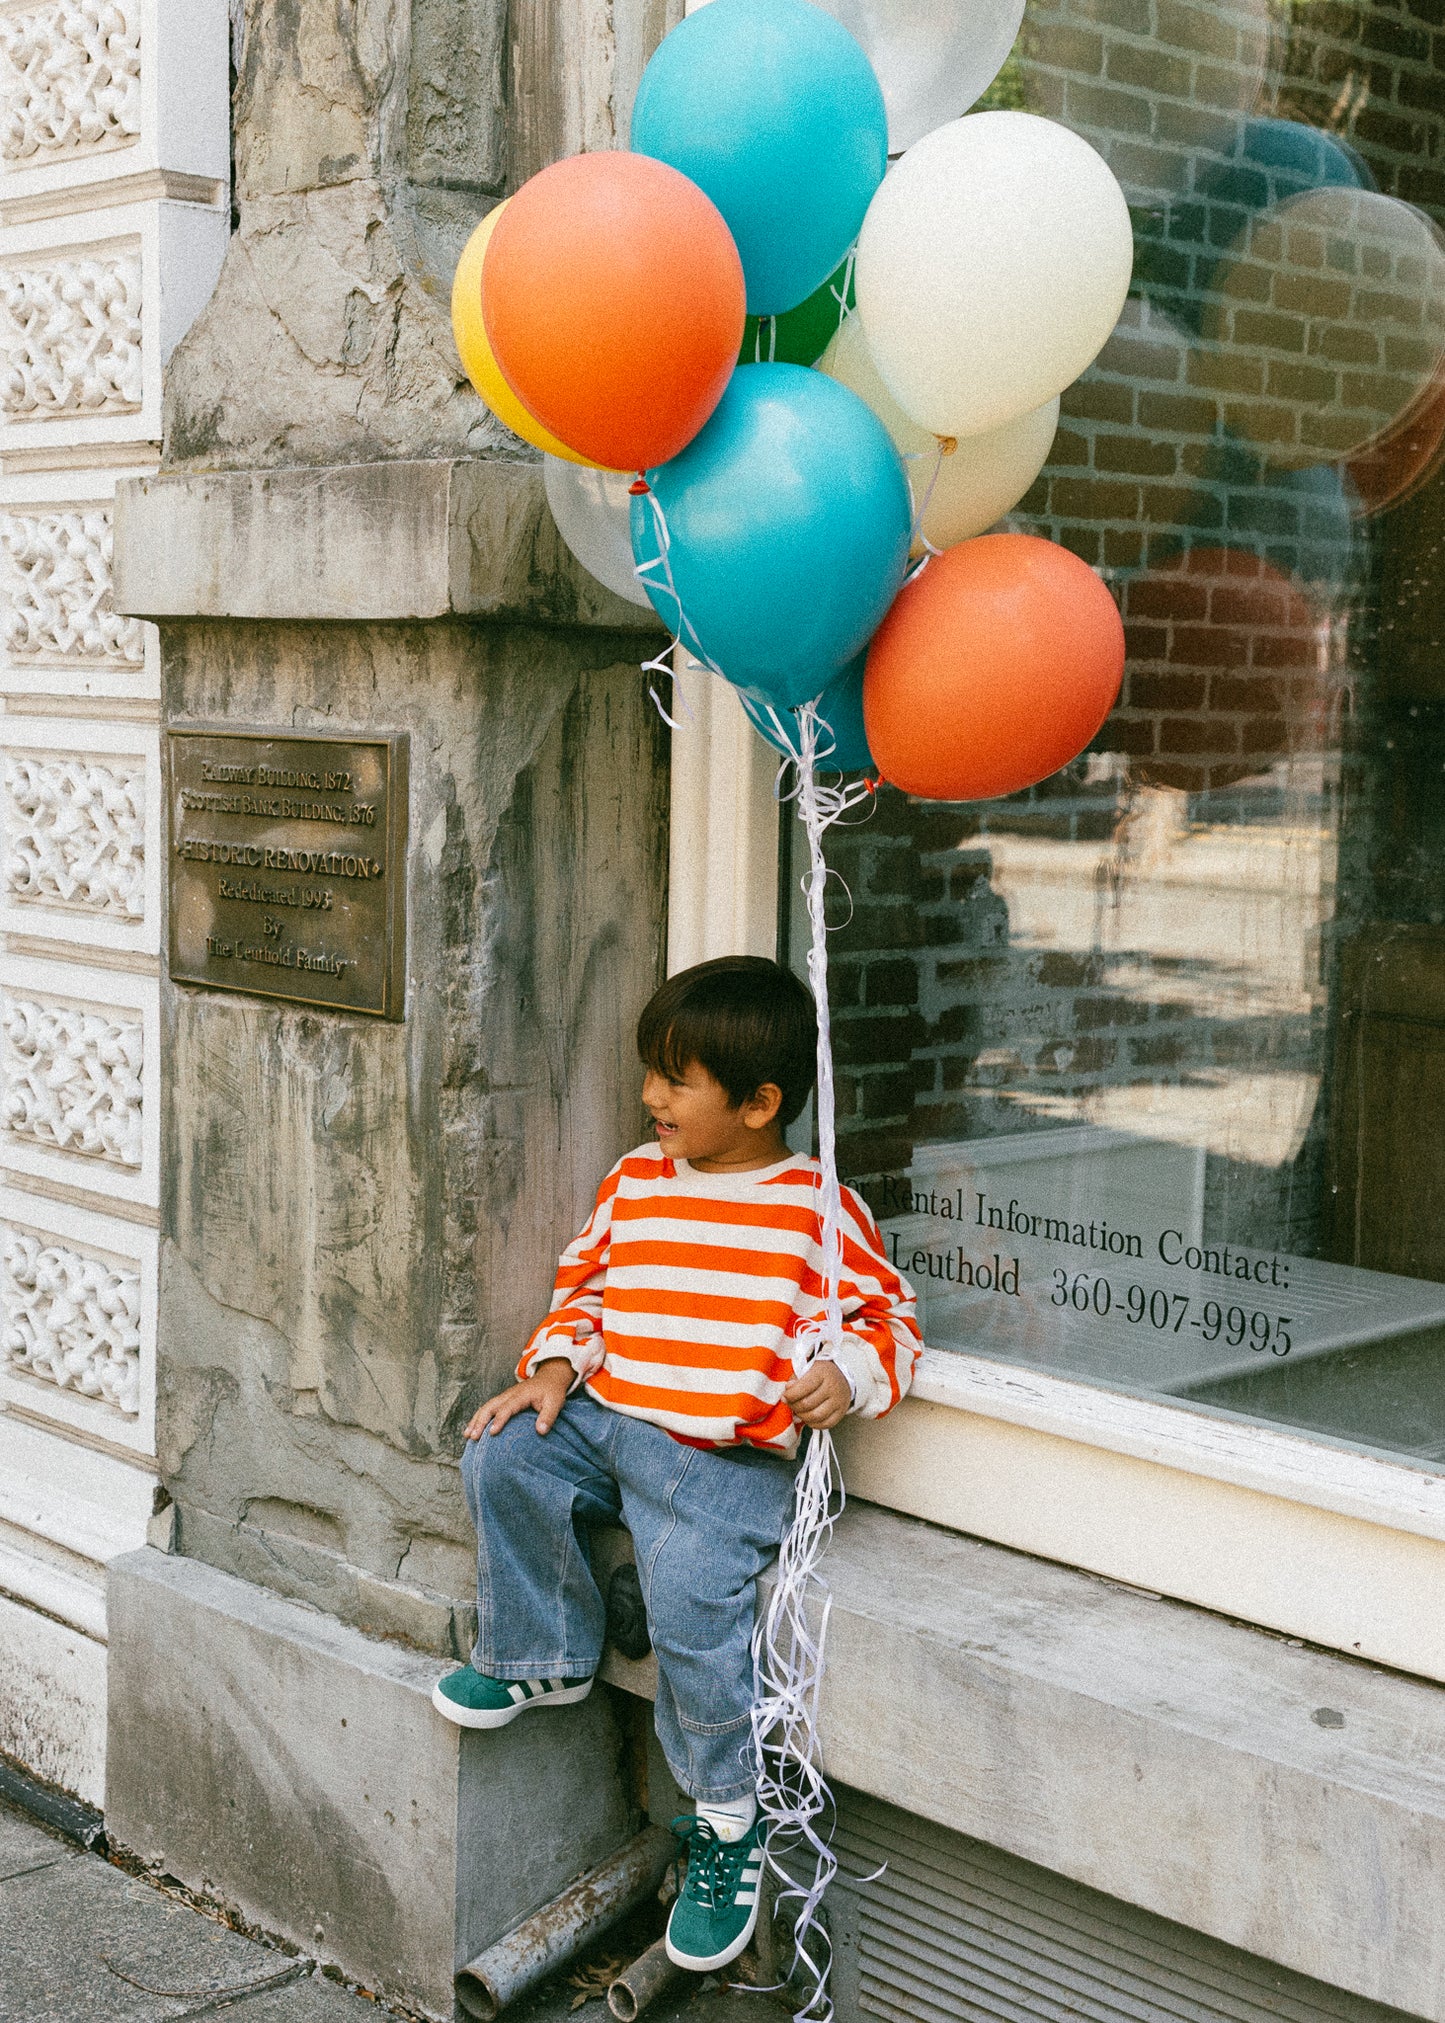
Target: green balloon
(800,336)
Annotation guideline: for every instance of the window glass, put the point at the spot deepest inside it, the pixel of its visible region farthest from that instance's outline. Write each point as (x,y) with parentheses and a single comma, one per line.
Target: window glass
(1143,1071)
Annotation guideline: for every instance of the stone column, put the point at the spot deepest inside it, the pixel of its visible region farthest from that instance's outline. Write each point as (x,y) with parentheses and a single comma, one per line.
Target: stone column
(360,1216)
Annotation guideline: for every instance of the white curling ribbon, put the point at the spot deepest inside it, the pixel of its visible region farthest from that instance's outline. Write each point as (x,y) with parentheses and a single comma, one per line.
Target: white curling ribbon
(665,663)
(788,1654)
(788,1650)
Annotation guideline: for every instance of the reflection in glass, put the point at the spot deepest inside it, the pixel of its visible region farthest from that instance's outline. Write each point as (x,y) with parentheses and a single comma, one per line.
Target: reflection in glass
(1144,1071)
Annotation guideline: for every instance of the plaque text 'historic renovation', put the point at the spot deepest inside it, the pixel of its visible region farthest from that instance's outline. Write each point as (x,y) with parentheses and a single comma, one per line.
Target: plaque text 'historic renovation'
(287,867)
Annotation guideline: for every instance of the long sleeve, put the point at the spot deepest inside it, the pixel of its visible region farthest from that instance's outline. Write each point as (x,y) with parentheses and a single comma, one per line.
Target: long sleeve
(880,1351)
(577,1293)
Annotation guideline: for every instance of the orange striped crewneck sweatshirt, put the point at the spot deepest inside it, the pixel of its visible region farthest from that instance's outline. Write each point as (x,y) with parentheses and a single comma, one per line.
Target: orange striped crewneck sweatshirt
(694,1285)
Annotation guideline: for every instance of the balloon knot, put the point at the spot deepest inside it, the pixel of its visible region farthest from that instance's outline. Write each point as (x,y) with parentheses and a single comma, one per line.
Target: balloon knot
(874,784)
(947,445)
(639,486)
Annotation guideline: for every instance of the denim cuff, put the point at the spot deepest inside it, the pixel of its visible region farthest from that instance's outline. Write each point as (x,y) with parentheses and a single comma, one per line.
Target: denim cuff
(527,1668)
(710,1794)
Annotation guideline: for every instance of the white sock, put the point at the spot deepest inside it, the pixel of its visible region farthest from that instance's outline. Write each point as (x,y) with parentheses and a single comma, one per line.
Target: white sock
(729,1818)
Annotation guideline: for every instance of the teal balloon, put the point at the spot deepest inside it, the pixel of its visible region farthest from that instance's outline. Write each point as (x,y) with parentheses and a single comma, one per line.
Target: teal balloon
(787,526)
(773,109)
(842,741)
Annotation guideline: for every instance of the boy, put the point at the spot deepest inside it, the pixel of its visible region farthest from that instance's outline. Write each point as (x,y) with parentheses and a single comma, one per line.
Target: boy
(665,1398)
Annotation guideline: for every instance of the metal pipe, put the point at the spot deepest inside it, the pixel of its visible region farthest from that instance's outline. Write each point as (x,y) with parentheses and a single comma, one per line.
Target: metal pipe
(640,1983)
(521,1957)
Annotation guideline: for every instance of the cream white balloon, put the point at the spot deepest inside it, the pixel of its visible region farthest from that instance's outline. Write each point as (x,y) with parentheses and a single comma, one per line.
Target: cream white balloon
(992,266)
(962,493)
(933,58)
(593,511)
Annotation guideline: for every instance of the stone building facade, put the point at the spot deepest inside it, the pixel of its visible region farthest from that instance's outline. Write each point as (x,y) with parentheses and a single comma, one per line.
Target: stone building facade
(1141,1704)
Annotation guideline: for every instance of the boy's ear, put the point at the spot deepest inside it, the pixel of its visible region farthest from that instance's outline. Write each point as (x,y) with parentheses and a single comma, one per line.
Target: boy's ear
(762,1106)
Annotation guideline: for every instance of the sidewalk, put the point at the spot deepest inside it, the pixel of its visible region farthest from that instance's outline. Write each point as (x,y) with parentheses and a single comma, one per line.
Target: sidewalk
(83,1942)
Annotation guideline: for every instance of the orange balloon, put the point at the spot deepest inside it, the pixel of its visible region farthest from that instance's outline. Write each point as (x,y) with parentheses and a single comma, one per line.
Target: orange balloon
(995,666)
(475,351)
(613,296)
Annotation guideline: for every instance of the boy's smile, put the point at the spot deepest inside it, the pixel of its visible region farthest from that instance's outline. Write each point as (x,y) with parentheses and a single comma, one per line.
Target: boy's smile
(696,1120)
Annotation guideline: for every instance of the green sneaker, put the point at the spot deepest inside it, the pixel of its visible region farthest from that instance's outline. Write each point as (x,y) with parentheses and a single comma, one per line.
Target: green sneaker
(717,1905)
(472,1700)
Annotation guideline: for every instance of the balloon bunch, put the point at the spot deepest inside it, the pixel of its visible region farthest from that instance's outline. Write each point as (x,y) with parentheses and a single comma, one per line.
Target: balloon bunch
(769,372)
(782,392)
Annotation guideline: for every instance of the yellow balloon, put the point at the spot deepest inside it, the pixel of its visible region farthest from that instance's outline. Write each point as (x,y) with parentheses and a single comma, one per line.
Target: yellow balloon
(475,347)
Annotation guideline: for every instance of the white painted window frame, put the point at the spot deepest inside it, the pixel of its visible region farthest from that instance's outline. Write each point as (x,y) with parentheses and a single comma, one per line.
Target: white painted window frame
(1322,1542)
(723,845)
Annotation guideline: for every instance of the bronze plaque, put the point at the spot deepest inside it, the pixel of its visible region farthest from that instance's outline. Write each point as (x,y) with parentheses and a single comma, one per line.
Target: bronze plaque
(288,866)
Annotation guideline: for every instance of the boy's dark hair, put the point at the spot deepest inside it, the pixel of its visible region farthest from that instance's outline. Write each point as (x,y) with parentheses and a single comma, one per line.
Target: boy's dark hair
(743,1018)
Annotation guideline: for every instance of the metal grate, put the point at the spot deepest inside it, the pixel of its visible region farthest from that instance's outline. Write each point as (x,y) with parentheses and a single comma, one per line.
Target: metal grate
(955,1931)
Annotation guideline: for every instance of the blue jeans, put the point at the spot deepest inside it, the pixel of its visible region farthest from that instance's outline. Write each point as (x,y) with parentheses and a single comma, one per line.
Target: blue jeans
(703,1525)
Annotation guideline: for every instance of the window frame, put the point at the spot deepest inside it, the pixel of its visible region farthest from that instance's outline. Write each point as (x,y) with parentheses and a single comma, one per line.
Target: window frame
(1329,1544)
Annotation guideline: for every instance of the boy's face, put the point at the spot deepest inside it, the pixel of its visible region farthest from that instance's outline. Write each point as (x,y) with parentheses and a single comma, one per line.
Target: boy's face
(695,1120)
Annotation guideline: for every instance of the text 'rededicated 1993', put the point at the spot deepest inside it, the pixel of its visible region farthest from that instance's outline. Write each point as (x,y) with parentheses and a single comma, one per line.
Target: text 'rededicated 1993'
(287,866)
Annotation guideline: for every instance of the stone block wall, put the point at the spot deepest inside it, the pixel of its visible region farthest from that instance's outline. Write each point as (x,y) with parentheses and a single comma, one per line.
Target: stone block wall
(368,144)
(362,1218)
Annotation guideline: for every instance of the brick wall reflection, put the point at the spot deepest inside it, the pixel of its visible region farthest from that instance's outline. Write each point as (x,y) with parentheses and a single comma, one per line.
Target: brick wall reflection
(1232,665)
(1148,940)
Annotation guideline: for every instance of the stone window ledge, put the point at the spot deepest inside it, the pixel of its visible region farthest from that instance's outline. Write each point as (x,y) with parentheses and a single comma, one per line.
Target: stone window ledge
(1280,1798)
(356,542)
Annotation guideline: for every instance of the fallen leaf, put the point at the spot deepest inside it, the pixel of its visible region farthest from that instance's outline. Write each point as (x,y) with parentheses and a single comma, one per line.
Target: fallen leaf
(595,1979)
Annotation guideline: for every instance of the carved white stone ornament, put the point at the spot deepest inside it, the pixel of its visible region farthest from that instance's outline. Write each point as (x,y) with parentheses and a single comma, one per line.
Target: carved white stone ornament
(69,77)
(71,1078)
(71,1318)
(56,578)
(75,833)
(70,337)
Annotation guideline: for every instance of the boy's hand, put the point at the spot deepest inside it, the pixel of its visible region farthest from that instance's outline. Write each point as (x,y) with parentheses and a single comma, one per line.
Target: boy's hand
(542,1393)
(820,1397)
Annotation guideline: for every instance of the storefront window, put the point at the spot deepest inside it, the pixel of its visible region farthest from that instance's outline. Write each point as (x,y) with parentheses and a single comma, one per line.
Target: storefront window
(1144,1071)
